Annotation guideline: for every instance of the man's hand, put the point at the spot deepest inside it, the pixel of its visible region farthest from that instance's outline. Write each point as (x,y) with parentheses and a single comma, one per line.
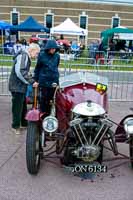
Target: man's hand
(35,84)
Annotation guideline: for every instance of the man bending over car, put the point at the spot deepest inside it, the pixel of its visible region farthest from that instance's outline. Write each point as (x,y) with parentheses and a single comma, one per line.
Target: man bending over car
(18,82)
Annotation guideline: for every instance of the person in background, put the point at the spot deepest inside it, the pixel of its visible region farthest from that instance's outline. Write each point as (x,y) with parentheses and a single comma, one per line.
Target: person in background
(93,51)
(17,47)
(18,82)
(24,44)
(61,37)
(111,52)
(46,73)
(75,49)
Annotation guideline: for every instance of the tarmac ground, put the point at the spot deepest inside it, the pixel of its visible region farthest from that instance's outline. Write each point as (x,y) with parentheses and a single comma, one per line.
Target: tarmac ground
(52,181)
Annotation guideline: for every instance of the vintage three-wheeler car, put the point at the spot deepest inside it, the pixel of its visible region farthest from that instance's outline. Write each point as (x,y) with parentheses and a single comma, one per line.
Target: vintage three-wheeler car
(78,124)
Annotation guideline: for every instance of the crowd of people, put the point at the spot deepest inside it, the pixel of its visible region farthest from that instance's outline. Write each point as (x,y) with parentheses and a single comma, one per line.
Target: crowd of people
(99,51)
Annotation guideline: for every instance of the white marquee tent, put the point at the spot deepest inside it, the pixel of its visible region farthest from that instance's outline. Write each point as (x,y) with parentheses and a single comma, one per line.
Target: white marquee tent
(68,27)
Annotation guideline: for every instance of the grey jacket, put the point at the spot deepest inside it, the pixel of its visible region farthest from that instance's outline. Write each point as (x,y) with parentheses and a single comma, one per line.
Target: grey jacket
(19,77)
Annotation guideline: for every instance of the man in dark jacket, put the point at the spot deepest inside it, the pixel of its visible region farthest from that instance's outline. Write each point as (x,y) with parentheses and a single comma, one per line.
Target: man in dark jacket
(46,73)
(19,79)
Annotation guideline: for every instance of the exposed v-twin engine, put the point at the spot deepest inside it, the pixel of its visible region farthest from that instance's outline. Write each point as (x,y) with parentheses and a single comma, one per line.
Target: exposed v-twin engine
(87,153)
(88,133)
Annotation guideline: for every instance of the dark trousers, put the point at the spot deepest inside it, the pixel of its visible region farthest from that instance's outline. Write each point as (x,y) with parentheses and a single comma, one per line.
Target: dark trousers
(46,94)
(19,109)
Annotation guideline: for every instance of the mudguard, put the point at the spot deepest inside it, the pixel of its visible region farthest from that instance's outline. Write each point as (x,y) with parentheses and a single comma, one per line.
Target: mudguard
(120,133)
(33,115)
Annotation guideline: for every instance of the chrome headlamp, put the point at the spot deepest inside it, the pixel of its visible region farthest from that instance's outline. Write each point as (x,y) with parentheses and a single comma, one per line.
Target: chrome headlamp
(128,125)
(50,124)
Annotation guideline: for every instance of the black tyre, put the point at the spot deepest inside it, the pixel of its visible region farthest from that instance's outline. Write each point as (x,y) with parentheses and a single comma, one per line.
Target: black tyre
(67,158)
(33,148)
(59,146)
(58,149)
(100,157)
(112,142)
(131,150)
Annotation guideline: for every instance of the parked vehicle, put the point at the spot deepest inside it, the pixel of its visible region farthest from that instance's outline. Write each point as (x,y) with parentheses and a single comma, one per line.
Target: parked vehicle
(41,39)
(64,45)
(78,124)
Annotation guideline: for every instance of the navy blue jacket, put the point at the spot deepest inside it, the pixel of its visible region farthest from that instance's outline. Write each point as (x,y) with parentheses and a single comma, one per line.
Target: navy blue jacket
(46,70)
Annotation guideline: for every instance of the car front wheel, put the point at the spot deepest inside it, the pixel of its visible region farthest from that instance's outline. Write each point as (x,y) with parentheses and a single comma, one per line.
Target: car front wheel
(33,148)
(131,150)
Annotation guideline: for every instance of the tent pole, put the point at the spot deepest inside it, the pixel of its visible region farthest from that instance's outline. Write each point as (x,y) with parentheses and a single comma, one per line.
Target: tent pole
(2,41)
(50,35)
(108,49)
(86,41)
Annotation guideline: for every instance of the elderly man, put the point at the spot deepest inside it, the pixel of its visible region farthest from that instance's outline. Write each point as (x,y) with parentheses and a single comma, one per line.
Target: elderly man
(19,79)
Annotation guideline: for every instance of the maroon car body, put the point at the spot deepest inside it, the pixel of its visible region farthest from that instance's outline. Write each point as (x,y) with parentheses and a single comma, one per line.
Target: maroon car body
(78,123)
(70,96)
